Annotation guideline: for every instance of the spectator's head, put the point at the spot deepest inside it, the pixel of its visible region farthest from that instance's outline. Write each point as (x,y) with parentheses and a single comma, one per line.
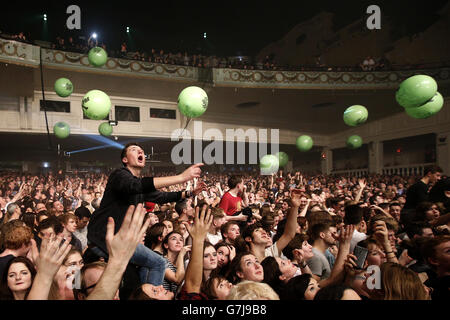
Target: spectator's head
(419,229)
(255,235)
(17,278)
(251,290)
(209,257)
(42,216)
(245,266)
(302,287)
(435,252)
(96,203)
(12,212)
(150,292)
(399,283)
(29,219)
(133,155)
(59,208)
(318,217)
(184,208)
(354,215)
(155,235)
(18,239)
(236,182)
(217,287)
(83,216)
(40,207)
(298,248)
(69,222)
(173,242)
(324,233)
(230,231)
(376,255)
(277,272)
(49,228)
(337,292)
(394,210)
(218,217)
(427,211)
(223,250)
(90,275)
(432,173)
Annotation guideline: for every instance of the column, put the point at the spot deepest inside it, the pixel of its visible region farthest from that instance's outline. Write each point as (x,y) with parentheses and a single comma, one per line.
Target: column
(443,151)
(376,157)
(326,160)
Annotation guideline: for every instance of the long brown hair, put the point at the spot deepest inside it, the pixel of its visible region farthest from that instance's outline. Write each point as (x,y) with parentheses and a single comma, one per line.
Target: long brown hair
(401,283)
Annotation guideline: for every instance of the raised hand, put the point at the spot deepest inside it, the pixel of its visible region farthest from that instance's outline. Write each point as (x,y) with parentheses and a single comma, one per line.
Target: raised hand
(362,183)
(192,172)
(296,195)
(53,252)
(121,246)
(380,231)
(346,234)
(202,223)
(201,186)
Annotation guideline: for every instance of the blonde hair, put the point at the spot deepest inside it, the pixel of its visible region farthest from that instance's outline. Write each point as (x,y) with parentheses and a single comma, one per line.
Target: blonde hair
(401,283)
(251,290)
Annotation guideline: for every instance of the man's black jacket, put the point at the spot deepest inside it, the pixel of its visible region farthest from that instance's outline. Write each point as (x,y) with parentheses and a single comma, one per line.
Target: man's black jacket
(122,190)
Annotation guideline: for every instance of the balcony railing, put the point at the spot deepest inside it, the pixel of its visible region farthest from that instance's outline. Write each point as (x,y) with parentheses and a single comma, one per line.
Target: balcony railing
(406,170)
(27,54)
(401,170)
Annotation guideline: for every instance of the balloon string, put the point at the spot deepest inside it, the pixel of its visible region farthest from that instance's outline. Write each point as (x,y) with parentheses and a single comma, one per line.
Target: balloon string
(43,100)
(187,123)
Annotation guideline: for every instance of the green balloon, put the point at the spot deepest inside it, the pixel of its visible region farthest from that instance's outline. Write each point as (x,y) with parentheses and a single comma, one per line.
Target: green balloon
(63,87)
(354,142)
(97,56)
(431,107)
(61,130)
(415,91)
(355,115)
(96,105)
(304,143)
(105,129)
(269,164)
(193,102)
(282,158)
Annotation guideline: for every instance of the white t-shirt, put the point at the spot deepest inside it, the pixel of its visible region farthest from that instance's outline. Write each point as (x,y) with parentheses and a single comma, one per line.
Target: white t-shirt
(214,238)
(357,237)
(272,251)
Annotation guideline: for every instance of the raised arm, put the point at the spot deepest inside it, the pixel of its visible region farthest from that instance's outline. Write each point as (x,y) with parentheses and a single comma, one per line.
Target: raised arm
(178,276)
(121,247)
(337,273)
(362,184)
(381,234)
(305,209)
(193,171)
(194,271)
(53,252)
(291,222)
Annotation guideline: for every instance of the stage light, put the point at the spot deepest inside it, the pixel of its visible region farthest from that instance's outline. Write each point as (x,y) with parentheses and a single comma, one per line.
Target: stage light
(45,17)
(128,29)
(204,35)
(94,35)
(46,164)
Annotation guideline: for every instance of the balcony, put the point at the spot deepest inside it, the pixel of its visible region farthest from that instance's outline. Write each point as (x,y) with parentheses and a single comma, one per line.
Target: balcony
(29,55)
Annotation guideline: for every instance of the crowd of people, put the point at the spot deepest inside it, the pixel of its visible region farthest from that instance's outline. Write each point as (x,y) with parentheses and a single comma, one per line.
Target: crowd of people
(192,236)
(81,45)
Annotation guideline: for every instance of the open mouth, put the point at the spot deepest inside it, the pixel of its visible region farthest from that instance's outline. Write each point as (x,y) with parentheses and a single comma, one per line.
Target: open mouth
(140,158)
